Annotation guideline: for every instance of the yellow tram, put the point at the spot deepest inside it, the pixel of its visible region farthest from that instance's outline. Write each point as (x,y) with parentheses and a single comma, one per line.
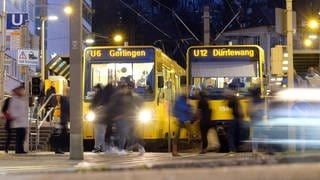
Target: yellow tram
(216,68)
(156,79)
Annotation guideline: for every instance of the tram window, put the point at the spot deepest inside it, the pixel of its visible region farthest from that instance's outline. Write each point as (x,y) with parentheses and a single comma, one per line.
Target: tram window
(142,76)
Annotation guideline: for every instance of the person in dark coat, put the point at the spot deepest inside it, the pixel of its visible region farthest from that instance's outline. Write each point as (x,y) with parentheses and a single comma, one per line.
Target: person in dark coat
(52,103)
(64,119)
(99,122)
(205,120)
(107,92)
(97,99)
(235,125)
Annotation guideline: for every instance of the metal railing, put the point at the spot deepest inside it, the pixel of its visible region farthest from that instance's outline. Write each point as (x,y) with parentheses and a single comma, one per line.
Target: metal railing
(40,119)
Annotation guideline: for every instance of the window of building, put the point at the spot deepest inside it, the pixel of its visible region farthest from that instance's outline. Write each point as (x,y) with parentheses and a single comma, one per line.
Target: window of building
(87,14)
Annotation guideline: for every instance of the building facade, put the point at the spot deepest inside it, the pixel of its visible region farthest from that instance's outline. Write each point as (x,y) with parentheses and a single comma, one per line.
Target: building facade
(264,36)
(56,34)
(19,38)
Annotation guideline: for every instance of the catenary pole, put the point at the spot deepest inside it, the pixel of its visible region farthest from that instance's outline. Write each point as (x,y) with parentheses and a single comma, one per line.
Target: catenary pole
(291,130)
(76,137)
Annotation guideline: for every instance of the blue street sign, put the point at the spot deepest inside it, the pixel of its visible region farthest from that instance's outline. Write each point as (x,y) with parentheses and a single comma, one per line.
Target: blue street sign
(16,20)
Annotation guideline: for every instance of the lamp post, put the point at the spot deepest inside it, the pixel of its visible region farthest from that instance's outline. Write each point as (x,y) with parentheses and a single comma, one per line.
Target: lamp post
(43,51)
(2,49)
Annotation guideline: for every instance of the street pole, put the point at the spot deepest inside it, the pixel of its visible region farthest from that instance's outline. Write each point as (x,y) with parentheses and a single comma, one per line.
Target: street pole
(2,49)
(43,53)
(291,130)
(206,25)
(26,70)
(76,97)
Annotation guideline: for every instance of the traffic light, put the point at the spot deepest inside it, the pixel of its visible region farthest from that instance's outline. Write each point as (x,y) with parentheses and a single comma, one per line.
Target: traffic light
(36,86)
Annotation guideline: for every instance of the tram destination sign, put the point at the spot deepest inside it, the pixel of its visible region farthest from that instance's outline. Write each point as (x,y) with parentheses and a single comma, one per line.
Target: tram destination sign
(123,53)
(218,53)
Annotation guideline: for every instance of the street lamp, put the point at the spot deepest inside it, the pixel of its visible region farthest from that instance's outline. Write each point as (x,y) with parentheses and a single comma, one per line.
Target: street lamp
(118,38)
(68,10)
(89,41)
(313,24)
(308,42)
(43,52)
(312,36)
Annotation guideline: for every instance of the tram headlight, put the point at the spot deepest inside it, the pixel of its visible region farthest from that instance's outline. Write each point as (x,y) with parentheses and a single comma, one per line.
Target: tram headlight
(91,116)
(145,115)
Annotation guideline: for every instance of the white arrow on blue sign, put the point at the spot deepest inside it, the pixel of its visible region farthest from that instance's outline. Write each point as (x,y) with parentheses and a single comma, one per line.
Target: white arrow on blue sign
(16,20)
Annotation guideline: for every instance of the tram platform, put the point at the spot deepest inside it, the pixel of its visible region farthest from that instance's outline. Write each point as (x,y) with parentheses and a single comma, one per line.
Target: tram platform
(48,162)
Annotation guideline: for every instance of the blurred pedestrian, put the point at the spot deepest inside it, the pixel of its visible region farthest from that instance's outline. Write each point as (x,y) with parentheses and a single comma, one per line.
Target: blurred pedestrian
(204,114)
(61,140)
(299,82)
(19,112)
(123,110)
(107,92)
(52,100)
(257,108)
(8,123)
(99,124)
(313,78)
(234,129)
(182,111)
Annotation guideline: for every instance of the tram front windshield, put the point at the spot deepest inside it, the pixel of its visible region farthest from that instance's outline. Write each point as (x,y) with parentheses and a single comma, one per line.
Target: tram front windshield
(141,75)
(216,86)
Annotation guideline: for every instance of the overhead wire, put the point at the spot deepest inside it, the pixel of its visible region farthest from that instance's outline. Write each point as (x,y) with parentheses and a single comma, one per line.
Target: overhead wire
(181,21)
(232,10)
(222,31)
(180,40)
(145,19)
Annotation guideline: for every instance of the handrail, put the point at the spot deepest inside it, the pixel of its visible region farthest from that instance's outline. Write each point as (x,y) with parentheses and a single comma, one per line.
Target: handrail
(45,117)
(45,103)
(38,126)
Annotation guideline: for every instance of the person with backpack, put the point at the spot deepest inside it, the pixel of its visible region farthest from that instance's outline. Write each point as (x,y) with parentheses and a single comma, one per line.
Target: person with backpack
(182,111)
(8,123)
